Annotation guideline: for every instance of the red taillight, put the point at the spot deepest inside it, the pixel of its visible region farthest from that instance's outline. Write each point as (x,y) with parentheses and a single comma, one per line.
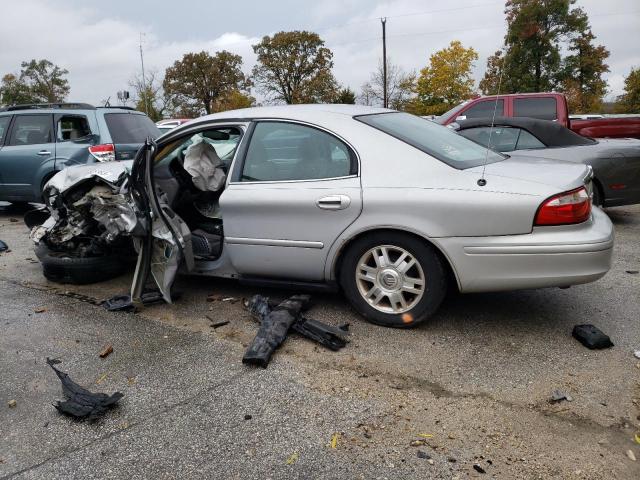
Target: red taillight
(565,208)
(103,153)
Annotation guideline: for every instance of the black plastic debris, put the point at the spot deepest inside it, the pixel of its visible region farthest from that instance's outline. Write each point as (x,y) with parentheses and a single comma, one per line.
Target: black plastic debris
(591,337)
(274,327)
(326,335)
(3,246)
(36,217)
(81,403)
(123,303)
(478,468)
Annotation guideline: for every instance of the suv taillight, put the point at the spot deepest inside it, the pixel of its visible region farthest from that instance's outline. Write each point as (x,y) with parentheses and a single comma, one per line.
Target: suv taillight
(103,153)
(565,208)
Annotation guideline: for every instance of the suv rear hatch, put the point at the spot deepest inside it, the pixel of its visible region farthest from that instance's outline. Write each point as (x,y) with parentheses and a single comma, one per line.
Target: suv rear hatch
(128,131)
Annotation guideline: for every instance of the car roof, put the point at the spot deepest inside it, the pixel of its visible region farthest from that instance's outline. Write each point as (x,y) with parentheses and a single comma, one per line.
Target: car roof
(552,134)
(64,108)
(302,112)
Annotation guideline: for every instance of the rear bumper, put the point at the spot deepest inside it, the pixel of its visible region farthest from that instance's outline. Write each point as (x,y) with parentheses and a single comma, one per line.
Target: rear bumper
(547,257)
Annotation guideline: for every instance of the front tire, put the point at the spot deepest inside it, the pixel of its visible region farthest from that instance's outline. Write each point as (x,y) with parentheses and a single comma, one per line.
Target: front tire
(393,279)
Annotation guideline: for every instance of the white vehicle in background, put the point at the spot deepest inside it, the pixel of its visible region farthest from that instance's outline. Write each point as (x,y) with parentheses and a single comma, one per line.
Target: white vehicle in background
(170,123)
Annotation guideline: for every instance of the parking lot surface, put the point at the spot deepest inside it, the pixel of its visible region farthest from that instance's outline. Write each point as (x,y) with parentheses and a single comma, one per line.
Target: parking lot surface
(470,387)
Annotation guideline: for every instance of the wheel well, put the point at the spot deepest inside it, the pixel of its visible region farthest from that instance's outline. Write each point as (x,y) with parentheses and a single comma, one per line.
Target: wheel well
(46,178)
(450,272)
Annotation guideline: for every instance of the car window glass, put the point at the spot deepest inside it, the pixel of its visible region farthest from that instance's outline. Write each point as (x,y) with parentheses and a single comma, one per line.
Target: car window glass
(286,151)
(4,123)
(223,140)
(435,140)
(528,141)
(484,109)
(543,108)
(72,128)
(503,139)
(31,130)
(130,127)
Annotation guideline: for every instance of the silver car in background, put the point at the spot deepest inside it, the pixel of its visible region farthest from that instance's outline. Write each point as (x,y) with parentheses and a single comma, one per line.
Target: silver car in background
(383,204)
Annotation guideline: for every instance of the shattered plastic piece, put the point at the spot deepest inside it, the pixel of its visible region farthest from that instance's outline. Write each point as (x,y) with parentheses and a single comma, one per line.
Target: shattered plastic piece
(12,404)
(3,246)
(425,435)
(119,303)
(636,354)
(632,272)
(334,440)
(323,333)
(344,326)
(591,337)
(417,443)
(293,458)
(273,330)
(106,351)
(81,403)
(219,324)
(631,455)
(478,468)
(40,310)
(558,396)
(636,437)
(423,454)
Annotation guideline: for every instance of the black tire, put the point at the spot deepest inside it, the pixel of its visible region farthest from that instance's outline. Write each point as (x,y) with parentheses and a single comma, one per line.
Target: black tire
(64,268)
(435,279)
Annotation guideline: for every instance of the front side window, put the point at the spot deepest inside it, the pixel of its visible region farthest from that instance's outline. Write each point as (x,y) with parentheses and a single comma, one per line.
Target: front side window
(438,141)
(32,130)
(72,127)
(285,151)
(543,108)
(4,124)
(484,109)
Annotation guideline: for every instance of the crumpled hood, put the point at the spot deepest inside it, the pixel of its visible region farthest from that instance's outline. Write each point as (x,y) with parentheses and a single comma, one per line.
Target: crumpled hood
(107,171)
(555,173)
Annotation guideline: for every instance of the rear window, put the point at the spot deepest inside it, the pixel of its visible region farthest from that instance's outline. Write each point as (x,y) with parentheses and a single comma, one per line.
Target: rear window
(130,127)
(543,108)
(438,141)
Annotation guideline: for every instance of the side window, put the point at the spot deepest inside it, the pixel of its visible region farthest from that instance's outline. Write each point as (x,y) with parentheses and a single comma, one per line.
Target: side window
(31,130)
(528,141)
(72,127)
(4,124)
(286,151)
(484,109)
(503,139)
(543,108)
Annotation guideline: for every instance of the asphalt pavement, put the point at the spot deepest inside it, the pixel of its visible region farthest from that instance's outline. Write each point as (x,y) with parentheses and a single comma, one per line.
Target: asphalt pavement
(470,387)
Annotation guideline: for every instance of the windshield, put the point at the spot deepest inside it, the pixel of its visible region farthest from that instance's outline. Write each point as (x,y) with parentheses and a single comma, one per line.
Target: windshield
(438,141)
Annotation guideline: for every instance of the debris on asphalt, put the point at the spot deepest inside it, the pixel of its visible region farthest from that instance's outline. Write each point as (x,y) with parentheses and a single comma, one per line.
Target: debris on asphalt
(334,440)
(293,458)
(14,220)
(217,324)
(591,337)
(3,246)
(422,454)
(274,327)
(230,299)
(417,443)
(636,437)
(40,310)
(106,351)
(326,335)
(631,455)
(248,417)
(81,403)
(559,396)
(478,468)
(214,297)
(636,353)
(632,272)
(123,302)
(344,326)
(12,403)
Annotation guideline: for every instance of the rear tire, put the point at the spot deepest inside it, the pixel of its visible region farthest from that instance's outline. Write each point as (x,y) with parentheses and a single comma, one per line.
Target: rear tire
(393,279)
(64,268)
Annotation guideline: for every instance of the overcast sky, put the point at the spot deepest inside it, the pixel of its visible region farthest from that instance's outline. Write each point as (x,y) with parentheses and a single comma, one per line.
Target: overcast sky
(98,41)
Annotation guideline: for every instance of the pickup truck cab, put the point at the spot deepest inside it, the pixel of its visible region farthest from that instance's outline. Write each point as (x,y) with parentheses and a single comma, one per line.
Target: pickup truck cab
(543,106)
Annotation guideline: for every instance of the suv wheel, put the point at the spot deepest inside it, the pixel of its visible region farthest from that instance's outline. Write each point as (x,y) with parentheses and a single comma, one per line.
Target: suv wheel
(393,279)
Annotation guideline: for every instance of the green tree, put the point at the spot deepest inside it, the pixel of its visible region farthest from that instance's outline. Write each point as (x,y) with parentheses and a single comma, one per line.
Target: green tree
(14,92)
(199,80)
(294,67)
(233,100)
(46,81)
(345,96)
(400,87)
(446,81)
(629,101)
(490,83)
(535,31)
(150,97)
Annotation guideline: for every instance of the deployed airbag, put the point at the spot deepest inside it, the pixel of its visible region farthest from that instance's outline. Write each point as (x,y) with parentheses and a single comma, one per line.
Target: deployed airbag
(201,161)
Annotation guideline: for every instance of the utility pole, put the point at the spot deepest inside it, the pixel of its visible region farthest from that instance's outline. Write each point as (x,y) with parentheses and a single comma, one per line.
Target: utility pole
(385,101)
(144,82)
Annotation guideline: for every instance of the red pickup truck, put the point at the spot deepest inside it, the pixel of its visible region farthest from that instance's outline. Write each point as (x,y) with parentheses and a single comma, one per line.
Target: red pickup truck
(544,106)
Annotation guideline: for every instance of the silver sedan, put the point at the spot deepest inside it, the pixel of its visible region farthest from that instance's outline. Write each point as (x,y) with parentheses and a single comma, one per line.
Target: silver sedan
(391,208)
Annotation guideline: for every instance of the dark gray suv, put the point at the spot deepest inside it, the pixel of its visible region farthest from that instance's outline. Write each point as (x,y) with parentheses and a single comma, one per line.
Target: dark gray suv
(37,141)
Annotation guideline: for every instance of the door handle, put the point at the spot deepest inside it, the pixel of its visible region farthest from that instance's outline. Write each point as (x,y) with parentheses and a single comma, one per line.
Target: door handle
(334,202)
(44,152)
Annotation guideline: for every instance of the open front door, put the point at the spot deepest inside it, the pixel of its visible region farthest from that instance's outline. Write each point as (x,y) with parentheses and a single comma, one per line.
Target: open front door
(167,240)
